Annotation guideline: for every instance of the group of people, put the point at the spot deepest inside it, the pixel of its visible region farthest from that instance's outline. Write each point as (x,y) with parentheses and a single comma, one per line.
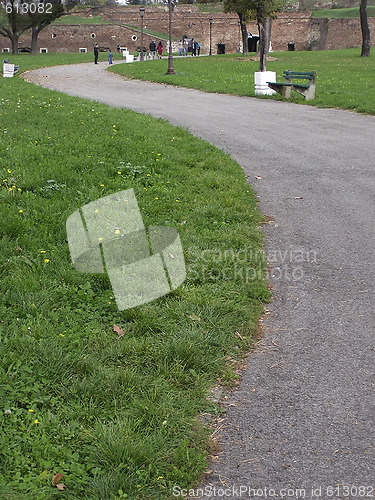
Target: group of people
(183,47)
(158,48)
(96,55)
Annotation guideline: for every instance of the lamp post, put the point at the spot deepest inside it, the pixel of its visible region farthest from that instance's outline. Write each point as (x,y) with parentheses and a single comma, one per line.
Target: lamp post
(211,21)
(142,14)
(170,70)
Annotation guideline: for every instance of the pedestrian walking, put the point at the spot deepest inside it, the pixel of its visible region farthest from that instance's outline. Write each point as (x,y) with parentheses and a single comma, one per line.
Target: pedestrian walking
(198,48)
(96,53)
(110,57)
(153,48)
(160,49)
(185,46)
(193,47)
(180,47)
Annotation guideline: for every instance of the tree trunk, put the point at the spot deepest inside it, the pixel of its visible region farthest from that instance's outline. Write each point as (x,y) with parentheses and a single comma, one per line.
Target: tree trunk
(34,39)
(14,38)
(245,45)
(265,28)
(269,33)
(262,47)
(366,40)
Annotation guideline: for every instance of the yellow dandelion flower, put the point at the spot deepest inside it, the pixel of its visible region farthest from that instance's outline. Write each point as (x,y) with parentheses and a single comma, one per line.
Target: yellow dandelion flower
(117,231)
(43,251)
(46,261)
(36,421)
(31,410)
(20,211)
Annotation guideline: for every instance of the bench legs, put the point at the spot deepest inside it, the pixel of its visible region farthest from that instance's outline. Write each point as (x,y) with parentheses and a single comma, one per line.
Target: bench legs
(308,93)
(284,90)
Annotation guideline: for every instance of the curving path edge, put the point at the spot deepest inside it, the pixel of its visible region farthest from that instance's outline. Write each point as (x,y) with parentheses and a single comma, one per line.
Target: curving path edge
(303,416)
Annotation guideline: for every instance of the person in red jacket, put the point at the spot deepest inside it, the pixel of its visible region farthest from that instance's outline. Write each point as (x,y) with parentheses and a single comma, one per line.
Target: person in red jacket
(160,49)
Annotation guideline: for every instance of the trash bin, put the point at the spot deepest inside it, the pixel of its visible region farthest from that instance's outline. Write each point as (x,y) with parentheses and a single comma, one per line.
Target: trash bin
(221,48)
(8,69)
(252,43)
(291,47)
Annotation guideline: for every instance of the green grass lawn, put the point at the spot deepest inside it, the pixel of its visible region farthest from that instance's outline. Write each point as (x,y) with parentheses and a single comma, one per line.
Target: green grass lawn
(71,19)
(211,7)
(344,79)
(116,415)
(341,13)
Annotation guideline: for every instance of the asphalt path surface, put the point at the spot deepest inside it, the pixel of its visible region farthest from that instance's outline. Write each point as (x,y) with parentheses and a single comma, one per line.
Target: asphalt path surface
(301,424)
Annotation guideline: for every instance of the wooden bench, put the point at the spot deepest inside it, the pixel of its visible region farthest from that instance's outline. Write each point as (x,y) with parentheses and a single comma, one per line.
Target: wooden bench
(305,89)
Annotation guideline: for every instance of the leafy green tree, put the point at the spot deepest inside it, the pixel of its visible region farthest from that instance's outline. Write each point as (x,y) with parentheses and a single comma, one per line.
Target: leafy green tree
(31,14)
(263,11)
(44,17)
(241,7)
(12,23)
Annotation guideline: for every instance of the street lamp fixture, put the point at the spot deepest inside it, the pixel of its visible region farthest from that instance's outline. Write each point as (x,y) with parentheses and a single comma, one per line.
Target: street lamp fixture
(211,21)
(142,14)
(170,70)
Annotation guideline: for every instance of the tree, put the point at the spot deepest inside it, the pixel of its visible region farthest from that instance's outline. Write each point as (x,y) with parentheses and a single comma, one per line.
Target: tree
(43,17)
(241,9)
(31,14)
(366,40)
(12,23)
(263,11)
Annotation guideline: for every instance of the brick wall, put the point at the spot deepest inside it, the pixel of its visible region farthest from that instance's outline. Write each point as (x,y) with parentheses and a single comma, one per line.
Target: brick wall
(306,32)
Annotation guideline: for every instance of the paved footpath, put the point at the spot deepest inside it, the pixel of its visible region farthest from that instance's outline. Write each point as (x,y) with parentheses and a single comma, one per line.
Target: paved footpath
(304,414)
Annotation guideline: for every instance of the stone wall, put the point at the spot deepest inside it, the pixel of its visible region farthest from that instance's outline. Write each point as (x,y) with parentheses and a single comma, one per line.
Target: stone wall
(306,32)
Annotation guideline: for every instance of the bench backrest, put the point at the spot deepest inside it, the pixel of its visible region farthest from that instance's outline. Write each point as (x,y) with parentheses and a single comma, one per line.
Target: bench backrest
(302,75)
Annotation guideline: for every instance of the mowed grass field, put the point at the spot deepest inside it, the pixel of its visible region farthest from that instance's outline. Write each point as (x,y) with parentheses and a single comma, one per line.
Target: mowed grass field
(118,416)
(344,79)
